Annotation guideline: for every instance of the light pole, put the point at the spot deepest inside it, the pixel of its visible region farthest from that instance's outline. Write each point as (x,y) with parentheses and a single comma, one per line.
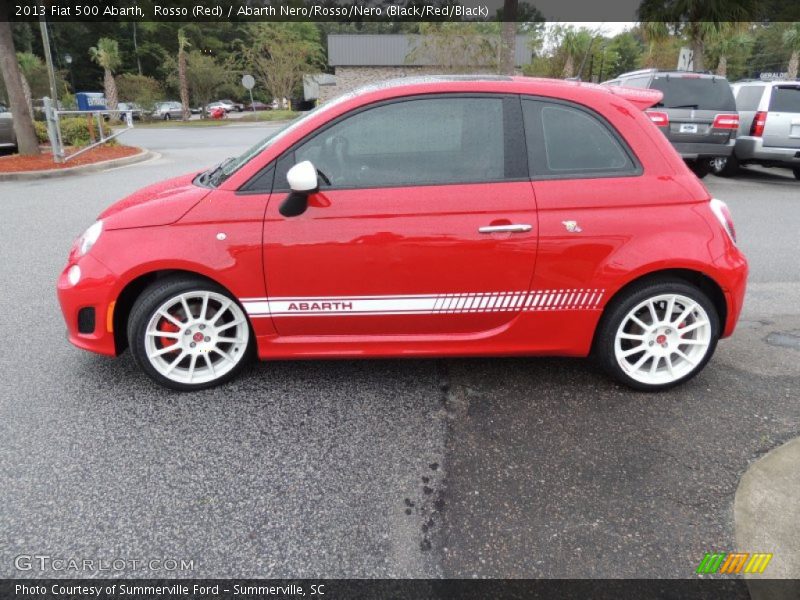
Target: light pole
(48,58)
(68,60)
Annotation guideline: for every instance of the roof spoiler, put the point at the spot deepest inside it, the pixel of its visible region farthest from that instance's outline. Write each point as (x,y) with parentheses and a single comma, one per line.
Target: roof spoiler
(641,98)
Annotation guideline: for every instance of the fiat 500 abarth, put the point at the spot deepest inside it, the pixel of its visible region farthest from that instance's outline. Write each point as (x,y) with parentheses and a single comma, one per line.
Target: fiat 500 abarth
(431,217)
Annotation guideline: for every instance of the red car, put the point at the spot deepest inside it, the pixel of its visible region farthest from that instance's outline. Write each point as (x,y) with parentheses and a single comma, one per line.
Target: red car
(428,217)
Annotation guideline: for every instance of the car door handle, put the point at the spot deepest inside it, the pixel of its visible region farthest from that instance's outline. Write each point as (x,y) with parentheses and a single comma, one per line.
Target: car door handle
(513,228)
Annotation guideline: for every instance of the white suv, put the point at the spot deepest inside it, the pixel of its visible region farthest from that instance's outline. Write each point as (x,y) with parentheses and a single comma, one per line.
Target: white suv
(769,127)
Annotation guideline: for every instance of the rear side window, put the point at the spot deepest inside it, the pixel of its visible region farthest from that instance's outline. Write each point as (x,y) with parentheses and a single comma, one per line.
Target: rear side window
(637,82)
(785,98)
(748,97)
(700,93)
(567,141)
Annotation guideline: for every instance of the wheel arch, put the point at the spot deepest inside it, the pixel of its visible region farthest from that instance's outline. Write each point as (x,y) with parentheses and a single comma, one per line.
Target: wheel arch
(696,278)
(134,288)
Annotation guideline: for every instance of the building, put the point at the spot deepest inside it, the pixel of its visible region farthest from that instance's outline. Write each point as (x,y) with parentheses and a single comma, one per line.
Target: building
(361,59)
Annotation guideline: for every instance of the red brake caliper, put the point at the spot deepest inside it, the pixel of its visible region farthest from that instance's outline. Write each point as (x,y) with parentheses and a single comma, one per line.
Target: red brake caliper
(168,326)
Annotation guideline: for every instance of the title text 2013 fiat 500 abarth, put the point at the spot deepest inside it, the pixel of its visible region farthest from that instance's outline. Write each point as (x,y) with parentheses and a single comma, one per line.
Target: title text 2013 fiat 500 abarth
(428,217)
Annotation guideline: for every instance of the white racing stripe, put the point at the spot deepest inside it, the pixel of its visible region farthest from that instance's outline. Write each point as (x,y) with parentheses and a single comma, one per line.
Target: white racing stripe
(426,304)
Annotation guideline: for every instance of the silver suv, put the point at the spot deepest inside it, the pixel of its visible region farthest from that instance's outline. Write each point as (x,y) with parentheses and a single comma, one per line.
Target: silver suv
(769,131)
(697,113)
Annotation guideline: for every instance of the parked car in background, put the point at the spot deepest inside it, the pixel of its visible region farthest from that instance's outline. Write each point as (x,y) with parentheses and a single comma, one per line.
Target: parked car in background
(435,216)
(214,106)
(168,110)
(769,127)
(232,106)
(8,139)
(136,111)
(697,114)
(257,105)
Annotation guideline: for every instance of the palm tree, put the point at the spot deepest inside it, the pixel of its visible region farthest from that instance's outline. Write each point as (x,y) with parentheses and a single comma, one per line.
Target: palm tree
(509,36)
(576,43)
(183,43)
(28,64)
(791,37)
(27,144)
(730,37)
(697,19)
(653,32)
(107,55)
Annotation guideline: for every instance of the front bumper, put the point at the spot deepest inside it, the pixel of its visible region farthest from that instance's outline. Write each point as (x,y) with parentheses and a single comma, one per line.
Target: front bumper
(753,149)
(94,292)
(696,150)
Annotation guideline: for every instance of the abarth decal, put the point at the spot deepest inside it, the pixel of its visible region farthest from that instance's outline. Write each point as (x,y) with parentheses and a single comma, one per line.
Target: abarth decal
(429,304)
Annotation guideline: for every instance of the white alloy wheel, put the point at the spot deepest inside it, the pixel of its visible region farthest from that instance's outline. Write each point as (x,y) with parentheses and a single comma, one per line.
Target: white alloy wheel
(196,337)
(662,339)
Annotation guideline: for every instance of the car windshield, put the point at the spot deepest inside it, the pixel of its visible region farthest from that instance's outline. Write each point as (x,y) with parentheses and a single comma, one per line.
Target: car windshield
(221,172)
(702,93)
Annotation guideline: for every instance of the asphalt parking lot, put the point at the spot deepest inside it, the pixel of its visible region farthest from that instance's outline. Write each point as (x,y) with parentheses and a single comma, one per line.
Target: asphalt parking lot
(457,468)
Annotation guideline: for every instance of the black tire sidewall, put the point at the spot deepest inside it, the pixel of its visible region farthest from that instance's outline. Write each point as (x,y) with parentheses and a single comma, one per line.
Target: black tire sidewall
(619,308)
(144,307)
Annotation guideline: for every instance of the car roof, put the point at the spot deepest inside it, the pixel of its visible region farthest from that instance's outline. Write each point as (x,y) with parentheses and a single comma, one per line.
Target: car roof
(478,83)
(675,72)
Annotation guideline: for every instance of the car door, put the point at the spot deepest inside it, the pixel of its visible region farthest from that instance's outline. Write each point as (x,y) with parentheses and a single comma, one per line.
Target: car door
(426,224)
(580,167)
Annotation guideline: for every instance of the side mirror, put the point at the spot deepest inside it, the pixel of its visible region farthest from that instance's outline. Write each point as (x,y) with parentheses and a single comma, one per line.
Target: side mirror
(302,180)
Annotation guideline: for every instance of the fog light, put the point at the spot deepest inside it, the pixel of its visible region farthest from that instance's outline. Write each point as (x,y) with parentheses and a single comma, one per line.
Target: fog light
(74,275)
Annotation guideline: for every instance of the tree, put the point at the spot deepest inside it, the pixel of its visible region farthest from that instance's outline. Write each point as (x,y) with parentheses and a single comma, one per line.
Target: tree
(696,19)
(141,89)
(281,53)
(204,76)
(729,40)
(791,37)
(27,143)
(509,36)
(30,66)
(575,45)
(106,54)
(183,85)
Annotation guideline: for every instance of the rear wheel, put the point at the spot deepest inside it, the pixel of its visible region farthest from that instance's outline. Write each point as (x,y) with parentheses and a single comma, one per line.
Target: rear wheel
(700,167)
(187,334)
(725,166)
(657,335)
(167,117)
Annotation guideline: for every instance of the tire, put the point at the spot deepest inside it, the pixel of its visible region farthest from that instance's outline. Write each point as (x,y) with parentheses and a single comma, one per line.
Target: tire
(167,117)
(796,172)
(207,354)
(725,167)
(676,305)
(700,167)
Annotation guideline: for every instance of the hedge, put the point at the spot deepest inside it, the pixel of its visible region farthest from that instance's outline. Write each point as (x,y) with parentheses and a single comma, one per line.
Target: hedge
(74,131)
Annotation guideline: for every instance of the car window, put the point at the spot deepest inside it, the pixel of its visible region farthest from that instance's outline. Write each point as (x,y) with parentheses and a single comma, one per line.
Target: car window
(748,97)
(572,141)
(419,141)
(637,82)
(702,93)
(785,98)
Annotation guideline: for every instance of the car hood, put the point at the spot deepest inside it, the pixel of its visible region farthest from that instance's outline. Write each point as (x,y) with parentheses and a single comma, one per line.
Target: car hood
(162,203)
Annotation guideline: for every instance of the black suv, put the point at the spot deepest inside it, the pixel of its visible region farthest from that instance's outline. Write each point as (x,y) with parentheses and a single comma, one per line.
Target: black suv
(697,113)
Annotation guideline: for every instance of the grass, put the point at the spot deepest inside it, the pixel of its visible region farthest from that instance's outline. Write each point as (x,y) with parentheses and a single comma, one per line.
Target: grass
(256,117)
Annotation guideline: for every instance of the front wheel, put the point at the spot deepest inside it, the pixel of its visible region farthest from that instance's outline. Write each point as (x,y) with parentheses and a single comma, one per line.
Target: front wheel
(187,334)
(657,335)
(796,173)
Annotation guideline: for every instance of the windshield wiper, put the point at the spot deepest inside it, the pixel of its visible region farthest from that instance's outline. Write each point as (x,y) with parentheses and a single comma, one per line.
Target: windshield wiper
(694,106)
(212,176)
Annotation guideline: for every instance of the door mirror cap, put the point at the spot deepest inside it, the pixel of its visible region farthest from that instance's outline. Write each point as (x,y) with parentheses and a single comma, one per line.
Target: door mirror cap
(303,177)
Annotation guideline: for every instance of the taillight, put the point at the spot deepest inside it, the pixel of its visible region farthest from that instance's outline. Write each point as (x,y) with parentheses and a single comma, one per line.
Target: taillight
(661,119)
(757,128)
(726,122)
(720,210)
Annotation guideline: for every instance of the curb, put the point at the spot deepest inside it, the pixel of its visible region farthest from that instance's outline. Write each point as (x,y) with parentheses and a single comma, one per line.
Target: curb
(98,166)
(767,519)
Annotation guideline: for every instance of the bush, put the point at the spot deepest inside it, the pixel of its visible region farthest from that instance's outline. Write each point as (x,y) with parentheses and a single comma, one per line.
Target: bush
(74,131)
(144,91)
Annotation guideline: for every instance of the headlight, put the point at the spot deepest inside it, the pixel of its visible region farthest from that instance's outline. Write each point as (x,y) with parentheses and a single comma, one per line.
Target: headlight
(89,237)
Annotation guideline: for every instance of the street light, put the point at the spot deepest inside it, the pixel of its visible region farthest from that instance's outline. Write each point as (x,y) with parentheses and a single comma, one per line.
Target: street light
(68,60)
